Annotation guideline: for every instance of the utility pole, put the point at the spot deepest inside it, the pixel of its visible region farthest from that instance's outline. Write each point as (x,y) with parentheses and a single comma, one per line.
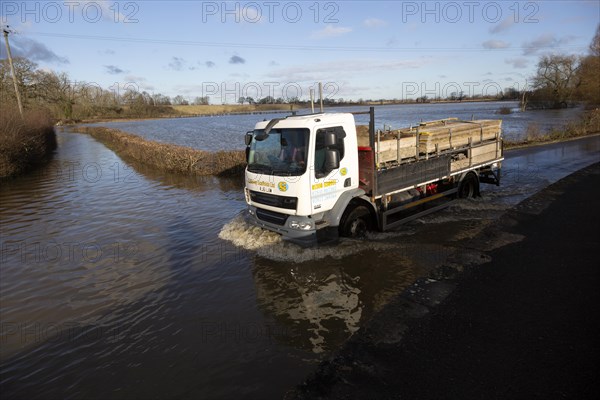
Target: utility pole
(12,70)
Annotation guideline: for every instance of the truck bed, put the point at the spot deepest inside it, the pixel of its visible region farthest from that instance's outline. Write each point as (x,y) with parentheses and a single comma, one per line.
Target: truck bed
(433,137)
(426,152)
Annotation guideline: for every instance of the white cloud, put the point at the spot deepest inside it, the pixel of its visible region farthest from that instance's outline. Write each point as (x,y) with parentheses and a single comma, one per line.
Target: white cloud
(519,62)
(236,60)
(330,31)
(114,70)
(495,44)
(177,63)
(138,82)
(504,25)
(545,41)
(374,23)
(35,51)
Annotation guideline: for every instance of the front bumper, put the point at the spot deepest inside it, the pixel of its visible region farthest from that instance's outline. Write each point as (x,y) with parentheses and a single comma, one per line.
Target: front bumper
(304,238)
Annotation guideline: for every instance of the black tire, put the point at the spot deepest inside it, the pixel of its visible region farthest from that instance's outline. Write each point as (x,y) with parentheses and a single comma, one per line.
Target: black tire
(356,222)
(468,187)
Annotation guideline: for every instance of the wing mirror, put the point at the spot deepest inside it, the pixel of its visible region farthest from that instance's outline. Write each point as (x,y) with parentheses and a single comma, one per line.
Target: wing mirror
(332,160)
(248,138)
(330,139)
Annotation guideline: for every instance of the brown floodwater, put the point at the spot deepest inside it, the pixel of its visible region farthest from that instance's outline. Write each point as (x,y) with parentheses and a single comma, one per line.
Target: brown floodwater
(120,282)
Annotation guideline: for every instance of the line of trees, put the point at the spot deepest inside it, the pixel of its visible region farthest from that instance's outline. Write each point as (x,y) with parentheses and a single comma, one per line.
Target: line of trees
(70,100)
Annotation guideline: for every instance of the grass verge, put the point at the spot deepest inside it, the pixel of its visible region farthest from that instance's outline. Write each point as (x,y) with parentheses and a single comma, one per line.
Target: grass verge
(25,143)
(168,157)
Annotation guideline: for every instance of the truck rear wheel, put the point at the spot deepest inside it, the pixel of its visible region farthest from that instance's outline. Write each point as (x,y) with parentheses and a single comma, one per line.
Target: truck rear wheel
(468,187)
(356,222)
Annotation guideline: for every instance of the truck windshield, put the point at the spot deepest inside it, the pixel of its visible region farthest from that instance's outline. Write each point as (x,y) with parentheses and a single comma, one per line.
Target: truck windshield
(282,152)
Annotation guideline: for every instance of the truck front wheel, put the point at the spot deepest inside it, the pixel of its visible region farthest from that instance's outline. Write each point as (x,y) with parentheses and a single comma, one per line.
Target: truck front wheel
(356,222)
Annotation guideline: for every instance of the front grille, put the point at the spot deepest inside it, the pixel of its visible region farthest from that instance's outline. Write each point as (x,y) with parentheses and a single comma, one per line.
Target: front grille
(271,216)
(273,200)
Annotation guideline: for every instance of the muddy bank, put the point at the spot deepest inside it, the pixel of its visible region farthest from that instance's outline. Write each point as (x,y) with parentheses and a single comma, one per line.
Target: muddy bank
(167,157)
(510,313)
(25,143)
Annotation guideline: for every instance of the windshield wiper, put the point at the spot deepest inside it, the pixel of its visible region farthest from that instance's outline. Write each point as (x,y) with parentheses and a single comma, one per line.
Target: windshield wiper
(260,168)
(282,172)
(288,171)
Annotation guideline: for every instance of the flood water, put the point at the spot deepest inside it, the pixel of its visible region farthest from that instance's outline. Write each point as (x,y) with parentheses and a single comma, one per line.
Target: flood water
(121,282)
(225,132)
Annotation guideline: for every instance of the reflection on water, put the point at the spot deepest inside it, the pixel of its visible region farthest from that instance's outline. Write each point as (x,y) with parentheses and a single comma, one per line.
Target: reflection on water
(323,304)
(117,281)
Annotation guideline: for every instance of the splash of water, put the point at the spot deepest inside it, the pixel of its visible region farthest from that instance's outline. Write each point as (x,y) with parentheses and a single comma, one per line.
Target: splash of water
(270,245)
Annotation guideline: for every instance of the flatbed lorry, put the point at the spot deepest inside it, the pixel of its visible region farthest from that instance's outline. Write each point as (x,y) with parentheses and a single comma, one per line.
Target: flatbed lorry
(313,178)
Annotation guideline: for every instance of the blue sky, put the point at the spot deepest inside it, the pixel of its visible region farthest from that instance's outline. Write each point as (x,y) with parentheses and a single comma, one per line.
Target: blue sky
(358,49)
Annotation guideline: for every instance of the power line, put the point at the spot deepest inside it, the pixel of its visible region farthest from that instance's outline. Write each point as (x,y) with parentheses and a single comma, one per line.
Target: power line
(286,46)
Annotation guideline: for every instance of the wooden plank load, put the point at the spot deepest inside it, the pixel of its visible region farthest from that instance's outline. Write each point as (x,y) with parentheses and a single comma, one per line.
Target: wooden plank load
(434,136)
(451,134)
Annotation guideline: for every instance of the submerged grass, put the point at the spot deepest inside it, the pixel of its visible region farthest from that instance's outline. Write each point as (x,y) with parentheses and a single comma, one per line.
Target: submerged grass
(24,142)
(168,157)
(589,124)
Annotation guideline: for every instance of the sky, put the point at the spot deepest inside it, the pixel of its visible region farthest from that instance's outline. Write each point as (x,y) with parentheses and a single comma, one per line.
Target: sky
(357,49)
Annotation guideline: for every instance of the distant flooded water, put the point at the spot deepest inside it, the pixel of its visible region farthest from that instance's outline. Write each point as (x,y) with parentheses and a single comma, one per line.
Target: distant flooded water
(226,132)
(120,282)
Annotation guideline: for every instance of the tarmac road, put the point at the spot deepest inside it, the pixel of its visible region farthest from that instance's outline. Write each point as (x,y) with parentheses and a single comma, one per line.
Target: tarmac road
(520,321)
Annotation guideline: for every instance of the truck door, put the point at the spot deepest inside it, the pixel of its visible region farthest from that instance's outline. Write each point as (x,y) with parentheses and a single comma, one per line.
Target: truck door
(327,184)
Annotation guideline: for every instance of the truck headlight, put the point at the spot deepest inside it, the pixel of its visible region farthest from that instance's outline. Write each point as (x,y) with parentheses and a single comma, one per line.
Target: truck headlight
(300,225)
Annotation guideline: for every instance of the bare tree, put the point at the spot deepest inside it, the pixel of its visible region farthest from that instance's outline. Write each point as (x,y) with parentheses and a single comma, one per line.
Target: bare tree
(557,78)
(589,88)
(61,91)
(26,73)
(595,45)
(180,100)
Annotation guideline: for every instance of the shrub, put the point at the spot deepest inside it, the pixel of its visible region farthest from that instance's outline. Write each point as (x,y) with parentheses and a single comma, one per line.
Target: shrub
(24,142)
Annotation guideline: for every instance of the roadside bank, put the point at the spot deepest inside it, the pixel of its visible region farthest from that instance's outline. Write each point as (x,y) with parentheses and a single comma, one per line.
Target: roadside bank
(165,156)
(25,143)
(513,314)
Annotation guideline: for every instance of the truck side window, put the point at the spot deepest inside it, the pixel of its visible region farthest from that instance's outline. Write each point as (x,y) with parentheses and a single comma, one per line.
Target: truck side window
(320,148)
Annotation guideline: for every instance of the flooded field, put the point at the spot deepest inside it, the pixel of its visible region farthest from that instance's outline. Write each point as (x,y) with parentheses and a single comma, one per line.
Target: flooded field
(120,282)
(226,132)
